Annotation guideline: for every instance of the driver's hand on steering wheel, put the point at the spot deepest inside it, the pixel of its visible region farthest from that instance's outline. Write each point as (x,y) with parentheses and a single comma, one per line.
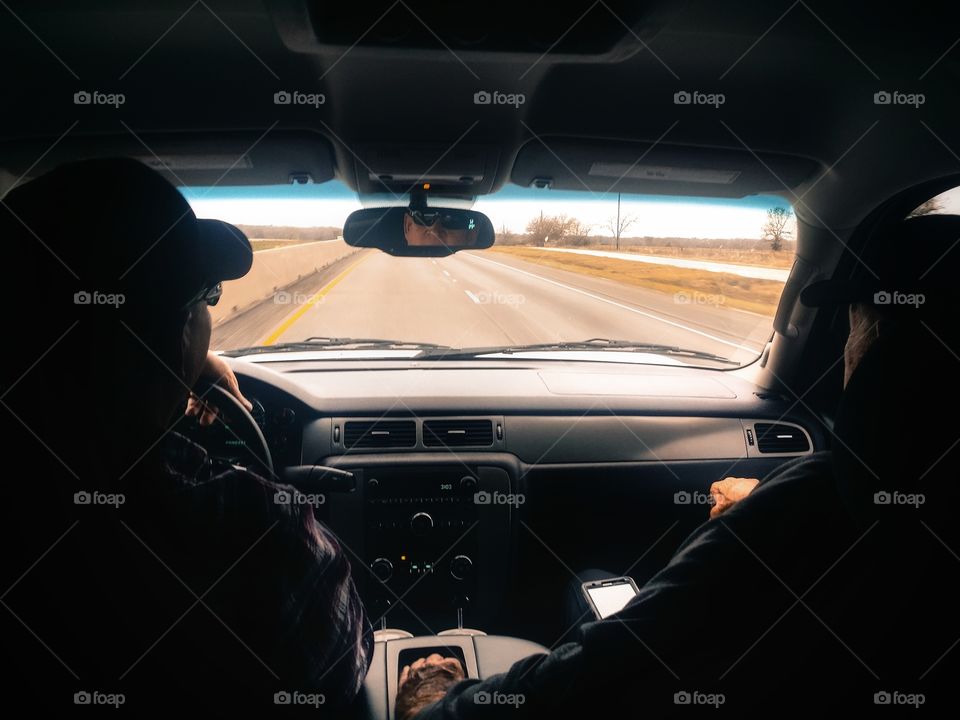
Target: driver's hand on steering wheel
(424,682)
(216,370)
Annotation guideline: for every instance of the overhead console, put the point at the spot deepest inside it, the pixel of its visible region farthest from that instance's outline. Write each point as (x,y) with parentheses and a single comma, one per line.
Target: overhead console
(464,169)
(534,29)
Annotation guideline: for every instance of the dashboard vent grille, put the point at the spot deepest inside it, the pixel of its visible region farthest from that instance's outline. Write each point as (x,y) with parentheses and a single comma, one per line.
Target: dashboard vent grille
(457,433)
(773,438)
(380,434)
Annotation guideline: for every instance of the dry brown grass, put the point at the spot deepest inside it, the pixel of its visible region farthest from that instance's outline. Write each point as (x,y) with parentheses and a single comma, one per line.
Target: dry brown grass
(759,296)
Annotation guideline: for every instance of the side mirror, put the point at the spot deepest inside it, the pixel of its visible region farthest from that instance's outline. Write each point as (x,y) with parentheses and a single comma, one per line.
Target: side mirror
(428,232)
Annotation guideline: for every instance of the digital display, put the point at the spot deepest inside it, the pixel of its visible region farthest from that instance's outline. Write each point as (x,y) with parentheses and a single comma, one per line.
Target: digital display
(609,599)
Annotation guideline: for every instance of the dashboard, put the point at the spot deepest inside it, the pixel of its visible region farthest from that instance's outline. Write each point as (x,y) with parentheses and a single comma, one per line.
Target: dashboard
(447,463)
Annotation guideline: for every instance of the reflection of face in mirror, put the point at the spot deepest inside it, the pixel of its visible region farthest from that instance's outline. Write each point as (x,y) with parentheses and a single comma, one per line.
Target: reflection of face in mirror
(432,228)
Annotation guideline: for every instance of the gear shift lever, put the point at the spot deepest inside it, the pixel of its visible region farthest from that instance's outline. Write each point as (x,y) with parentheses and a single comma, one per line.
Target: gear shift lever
(381,606)
(461,601)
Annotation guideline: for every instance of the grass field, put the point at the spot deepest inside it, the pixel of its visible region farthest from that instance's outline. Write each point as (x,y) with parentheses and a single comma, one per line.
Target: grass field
(698,286)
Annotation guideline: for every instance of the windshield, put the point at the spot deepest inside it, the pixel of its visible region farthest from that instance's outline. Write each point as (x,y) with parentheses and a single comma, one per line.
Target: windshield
(573,275)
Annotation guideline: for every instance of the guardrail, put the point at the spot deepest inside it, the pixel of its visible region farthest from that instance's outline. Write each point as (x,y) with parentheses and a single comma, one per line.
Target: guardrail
(274,270)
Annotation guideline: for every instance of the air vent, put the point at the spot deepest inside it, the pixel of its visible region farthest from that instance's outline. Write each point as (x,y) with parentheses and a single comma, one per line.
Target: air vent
(457,433)
(773,438)
(380,434)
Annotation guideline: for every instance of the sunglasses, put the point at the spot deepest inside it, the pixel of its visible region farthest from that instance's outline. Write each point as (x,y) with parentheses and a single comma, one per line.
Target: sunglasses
(448,220)
(209,295)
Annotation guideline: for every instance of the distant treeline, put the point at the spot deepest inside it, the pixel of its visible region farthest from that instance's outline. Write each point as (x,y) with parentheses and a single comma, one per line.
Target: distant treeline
(510,238)
(284,232)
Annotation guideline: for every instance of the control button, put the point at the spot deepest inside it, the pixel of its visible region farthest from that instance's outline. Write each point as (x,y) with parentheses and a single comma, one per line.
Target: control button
(382,569)
(373,485)
(461,567)
(468,484)
(421,523)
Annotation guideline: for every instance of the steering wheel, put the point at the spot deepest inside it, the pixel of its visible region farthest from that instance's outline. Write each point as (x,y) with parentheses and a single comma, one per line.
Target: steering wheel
(234,436)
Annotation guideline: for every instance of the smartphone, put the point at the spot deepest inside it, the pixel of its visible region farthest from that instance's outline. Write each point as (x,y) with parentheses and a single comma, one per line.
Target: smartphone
(607,597)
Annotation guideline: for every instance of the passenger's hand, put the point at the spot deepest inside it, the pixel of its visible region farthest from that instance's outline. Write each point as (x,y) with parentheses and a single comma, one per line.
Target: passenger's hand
(216,370)
(424,682)
(729,491)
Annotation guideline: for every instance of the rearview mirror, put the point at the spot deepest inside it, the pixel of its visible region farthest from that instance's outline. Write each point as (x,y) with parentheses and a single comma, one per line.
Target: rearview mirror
(425,232)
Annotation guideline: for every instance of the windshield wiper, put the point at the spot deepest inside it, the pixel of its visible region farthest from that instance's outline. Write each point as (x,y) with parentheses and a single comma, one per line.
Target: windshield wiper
(323,343)
(593,344)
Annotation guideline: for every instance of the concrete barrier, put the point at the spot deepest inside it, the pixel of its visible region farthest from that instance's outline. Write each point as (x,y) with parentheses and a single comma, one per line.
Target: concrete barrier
(274,270)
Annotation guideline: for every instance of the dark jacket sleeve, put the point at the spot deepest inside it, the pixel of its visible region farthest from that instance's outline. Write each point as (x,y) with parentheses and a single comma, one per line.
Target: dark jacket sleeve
(722,587)
(285,588)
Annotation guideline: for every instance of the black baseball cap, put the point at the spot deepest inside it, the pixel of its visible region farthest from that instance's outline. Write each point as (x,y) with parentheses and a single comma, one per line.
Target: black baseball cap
(117,226)
(916,260)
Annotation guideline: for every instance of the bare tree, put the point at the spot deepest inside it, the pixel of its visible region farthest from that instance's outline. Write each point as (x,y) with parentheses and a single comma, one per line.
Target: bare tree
(930,207)
(552,229)
(775,228)
(578,234)
(618,226)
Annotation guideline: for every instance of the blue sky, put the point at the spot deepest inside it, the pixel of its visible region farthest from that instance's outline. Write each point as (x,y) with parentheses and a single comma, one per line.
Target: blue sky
(328,204)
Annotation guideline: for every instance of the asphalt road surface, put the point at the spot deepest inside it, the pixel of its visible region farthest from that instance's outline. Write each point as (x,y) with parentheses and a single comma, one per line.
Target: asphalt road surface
(487,298)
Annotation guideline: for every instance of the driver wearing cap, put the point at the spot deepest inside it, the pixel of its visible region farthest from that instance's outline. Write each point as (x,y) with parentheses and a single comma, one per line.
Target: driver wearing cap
(179,580)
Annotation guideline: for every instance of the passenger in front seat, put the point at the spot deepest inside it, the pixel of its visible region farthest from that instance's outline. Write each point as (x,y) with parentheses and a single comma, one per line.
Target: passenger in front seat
(827,583)
(178,581)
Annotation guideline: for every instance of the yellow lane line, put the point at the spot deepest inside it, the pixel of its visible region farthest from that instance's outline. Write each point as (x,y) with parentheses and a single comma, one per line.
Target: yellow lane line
(316,298)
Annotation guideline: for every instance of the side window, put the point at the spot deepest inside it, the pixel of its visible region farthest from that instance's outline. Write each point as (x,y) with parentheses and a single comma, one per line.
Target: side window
(946,203)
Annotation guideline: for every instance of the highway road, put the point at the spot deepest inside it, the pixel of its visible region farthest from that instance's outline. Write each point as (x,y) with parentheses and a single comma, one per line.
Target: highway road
(488,298)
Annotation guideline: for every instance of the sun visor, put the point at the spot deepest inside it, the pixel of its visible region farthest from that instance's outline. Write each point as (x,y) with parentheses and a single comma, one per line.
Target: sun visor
(661,169)
(232,158)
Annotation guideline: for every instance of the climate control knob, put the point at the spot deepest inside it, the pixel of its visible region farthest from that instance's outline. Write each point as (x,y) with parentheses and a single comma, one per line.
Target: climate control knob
(421,523)
(461,567)
(382,569)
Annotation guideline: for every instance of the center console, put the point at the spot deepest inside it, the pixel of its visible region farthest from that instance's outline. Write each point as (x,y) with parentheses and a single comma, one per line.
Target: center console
(433,534)
(480,655)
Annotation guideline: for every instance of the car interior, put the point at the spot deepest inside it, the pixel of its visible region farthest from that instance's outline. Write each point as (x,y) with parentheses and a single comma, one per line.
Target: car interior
(469,481)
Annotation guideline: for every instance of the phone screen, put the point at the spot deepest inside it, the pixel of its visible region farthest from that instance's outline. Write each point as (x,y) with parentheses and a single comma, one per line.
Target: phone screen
(609,599)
